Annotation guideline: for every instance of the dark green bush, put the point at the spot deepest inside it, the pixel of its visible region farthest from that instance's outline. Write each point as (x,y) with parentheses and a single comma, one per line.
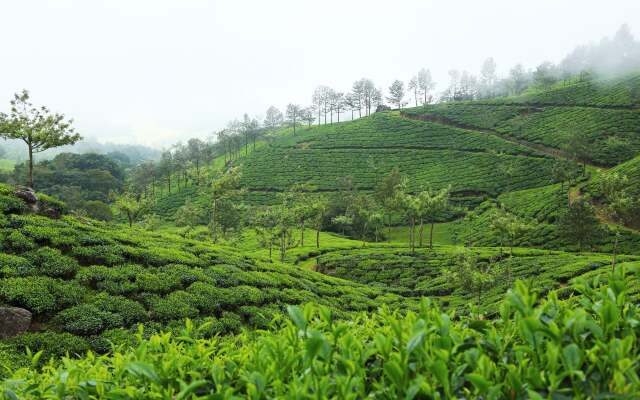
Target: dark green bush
(50,262)
(52,344)
(40,294)
(177,305)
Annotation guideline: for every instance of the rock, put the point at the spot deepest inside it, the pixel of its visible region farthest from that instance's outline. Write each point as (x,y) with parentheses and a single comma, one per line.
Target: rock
(51,212)
(13,321)
(27,195)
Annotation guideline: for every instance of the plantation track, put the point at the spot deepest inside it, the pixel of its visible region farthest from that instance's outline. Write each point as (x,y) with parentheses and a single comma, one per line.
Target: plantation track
(544,150)
(426,148)
(634,107)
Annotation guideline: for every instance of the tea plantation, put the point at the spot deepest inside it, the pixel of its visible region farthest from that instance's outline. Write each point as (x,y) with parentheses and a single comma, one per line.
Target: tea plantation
(582,348)
(87,283)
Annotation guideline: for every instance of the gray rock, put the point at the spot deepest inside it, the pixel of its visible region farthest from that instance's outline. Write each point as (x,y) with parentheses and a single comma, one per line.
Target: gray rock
(13,321)
(27,195)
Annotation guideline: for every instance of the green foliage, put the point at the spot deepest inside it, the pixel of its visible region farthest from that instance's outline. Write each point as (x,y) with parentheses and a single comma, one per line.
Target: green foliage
(531,350)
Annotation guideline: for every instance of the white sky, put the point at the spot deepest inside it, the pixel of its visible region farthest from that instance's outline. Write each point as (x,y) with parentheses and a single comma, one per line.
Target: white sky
(158,71)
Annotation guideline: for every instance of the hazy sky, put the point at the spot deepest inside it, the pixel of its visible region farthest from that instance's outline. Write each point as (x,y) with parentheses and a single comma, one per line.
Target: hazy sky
(158,71)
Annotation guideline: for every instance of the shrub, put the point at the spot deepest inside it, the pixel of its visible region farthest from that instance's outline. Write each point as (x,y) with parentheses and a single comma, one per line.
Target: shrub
(87,319)
(17,242)
(51,344)
(129,310)
(50,262)
(98,210)
(177,305)
(532,350)
(40,294)
(13,265)
(11,205)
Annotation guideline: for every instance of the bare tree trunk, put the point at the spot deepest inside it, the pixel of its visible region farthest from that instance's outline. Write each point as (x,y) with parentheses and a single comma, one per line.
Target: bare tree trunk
(318,238)
(302,233)
(421,231)
(30,183)
(431,237)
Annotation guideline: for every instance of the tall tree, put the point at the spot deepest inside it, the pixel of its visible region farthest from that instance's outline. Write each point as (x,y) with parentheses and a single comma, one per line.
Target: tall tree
(273,119)
(488,78)
(578,146)
(37,127)
(293,115)
(426,84)
(432,205)
(225,187)
(195,148)
(620,205)
(319,211)
(414,88)
(396,93)
(579,224)
(129,205)
(308,115)
(166,166)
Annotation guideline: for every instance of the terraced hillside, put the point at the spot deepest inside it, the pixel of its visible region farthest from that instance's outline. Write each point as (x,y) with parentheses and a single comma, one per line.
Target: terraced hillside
(605,112)
(428,273)
(88,283)
(429,154)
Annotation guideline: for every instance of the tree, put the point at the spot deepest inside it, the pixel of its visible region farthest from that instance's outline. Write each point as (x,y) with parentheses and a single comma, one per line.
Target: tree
(320,100)
(249,130)
(396,93)
(285,223)
(273,118)
(577,145)
(319,210)
(387,190)
(518,79)
(579,224)
(225,187)
(189,214)
(37,127)
(546,74)
(293,115)
(432,204)
(426,84)
(414,87)
(265,223)
(195,149)
(619,204)
(563,171)
(166,165)
(488,78)
(308,115)
(127,204)
(470,275)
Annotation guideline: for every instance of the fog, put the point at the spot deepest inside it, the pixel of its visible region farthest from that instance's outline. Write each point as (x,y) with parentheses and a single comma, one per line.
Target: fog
(154,72)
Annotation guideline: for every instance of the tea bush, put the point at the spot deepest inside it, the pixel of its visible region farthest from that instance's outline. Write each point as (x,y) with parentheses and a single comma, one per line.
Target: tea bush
(584,348)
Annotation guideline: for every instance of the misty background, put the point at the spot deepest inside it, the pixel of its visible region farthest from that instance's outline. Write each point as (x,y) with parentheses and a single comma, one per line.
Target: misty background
(155,72)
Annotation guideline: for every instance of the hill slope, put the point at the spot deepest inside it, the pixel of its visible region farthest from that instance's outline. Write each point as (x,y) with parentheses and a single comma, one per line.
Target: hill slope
(85,281)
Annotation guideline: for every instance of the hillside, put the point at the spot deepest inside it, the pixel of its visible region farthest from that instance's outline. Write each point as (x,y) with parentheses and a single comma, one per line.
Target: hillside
(87,282)
(606,112)
(429,274)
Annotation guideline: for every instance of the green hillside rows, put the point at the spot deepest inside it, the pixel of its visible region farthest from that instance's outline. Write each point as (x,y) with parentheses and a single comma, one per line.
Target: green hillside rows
(424,273)
(84,281)
(612,132)
(623,92)
(428,154)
